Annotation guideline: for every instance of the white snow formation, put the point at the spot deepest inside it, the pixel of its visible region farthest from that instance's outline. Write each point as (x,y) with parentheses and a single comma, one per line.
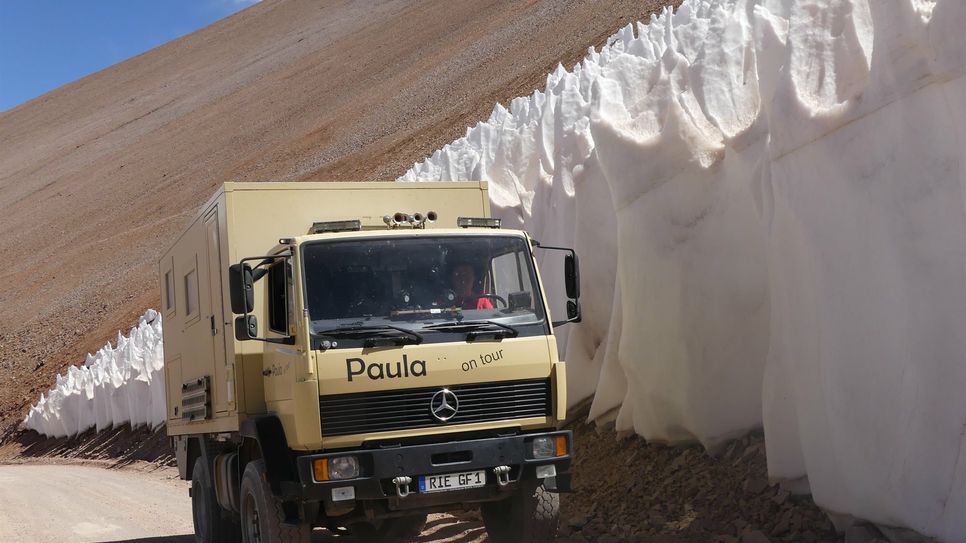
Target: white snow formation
(118,385)
(768,199)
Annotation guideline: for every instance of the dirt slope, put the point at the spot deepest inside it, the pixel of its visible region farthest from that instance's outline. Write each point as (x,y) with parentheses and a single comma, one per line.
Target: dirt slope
(97,176)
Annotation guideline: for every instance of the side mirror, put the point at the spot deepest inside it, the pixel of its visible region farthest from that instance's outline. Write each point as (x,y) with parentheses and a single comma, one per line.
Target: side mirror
(241,285)
(573,311)
(572,277)
(571,283)
(246,328)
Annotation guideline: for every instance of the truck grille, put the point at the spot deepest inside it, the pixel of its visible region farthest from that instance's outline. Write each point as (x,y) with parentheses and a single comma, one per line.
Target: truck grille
(367,412)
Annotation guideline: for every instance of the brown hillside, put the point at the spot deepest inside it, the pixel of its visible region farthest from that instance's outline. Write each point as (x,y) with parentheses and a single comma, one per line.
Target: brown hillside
(96,176)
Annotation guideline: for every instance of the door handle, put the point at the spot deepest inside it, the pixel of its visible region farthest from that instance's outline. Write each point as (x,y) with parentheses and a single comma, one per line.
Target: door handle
(214,331)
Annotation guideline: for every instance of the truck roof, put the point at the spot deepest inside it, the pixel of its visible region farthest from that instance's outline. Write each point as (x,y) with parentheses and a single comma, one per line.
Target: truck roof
(406,232)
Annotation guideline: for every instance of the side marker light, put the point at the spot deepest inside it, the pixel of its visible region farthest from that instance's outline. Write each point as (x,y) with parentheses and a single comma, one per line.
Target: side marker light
(320,467)
(561,445)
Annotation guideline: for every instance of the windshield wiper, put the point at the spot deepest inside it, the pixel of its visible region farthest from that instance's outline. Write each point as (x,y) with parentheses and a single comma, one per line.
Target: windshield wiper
(475,329)
(373,333)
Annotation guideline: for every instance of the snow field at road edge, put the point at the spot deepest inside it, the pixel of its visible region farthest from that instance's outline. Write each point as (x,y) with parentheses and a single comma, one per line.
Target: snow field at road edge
(768,201)
(120,384)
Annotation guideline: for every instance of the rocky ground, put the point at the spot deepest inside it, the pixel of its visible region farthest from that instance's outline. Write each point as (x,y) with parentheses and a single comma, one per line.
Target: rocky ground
(116,448)
(629,490)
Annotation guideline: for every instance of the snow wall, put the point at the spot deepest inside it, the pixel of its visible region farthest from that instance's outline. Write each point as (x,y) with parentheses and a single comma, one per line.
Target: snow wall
(118,385)
(768,200)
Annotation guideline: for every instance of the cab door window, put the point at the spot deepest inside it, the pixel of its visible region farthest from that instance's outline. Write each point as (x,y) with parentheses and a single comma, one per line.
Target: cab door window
(278,297)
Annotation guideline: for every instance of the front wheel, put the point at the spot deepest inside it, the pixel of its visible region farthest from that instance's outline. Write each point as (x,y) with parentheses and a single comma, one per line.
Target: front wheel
(526,517)
(262,515)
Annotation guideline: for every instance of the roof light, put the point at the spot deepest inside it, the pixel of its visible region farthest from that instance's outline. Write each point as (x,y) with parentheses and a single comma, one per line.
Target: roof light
(477,222)
(335,226)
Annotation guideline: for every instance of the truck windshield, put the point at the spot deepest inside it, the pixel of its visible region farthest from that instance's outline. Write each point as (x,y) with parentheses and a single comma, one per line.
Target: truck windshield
(420,281)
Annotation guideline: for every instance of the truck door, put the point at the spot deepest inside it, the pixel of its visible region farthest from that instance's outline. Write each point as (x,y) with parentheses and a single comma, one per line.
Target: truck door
(280,361)
(222,398)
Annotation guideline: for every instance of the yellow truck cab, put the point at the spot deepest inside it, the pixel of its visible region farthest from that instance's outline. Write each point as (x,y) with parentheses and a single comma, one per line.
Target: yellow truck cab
(357,355)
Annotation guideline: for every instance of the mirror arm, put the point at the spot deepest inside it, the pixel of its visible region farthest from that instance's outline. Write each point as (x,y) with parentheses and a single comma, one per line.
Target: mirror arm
(568,321)
(576,318)
(257,273)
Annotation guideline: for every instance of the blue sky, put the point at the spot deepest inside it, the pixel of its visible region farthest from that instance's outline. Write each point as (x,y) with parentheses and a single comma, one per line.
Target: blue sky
(47,43)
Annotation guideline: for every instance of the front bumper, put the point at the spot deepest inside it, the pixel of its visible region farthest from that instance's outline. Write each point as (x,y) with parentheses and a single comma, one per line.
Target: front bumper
(378,468)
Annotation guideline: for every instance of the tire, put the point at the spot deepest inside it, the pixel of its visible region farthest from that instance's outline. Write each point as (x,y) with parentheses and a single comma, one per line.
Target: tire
(525,517)
(212,523)
(262,516)
(395,530)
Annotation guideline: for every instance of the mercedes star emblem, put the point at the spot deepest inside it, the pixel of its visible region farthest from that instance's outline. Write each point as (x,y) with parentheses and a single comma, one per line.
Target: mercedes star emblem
(444,405)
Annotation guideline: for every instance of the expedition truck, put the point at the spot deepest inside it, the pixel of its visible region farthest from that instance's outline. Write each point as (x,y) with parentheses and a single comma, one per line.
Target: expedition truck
(358,355)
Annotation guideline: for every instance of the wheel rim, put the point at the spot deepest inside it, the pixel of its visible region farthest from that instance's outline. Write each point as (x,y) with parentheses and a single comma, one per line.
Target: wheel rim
(253,532)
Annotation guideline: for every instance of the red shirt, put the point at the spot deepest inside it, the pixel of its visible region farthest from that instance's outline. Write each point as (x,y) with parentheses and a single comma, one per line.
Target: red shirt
(473,302)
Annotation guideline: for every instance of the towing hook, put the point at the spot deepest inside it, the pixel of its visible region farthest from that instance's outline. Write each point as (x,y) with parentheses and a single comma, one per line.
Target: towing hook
(502,475)
(402,485)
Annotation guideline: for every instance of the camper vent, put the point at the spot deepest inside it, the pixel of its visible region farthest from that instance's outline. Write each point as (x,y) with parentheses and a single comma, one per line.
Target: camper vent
(196,399)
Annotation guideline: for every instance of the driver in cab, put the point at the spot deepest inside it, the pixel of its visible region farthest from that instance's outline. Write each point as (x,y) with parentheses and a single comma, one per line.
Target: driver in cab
(463,280)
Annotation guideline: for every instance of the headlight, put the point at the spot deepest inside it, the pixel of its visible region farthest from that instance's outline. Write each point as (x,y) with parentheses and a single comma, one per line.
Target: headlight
(336,468)
(343,467)
(542,447)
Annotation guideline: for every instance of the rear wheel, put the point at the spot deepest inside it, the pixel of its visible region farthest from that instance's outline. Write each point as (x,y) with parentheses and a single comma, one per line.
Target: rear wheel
(212,523)
(390,530)
(526,517)
(262,515)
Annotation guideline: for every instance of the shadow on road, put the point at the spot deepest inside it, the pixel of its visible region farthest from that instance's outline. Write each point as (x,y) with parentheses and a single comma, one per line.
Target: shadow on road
(443,529)
(447,530)
(121,445)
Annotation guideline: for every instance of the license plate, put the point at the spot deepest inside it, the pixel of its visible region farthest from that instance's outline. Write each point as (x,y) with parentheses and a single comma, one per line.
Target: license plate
(452,481)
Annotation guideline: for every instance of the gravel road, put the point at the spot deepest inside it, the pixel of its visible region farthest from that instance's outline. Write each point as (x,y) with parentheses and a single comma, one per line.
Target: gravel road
(56,503)
(80,503)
